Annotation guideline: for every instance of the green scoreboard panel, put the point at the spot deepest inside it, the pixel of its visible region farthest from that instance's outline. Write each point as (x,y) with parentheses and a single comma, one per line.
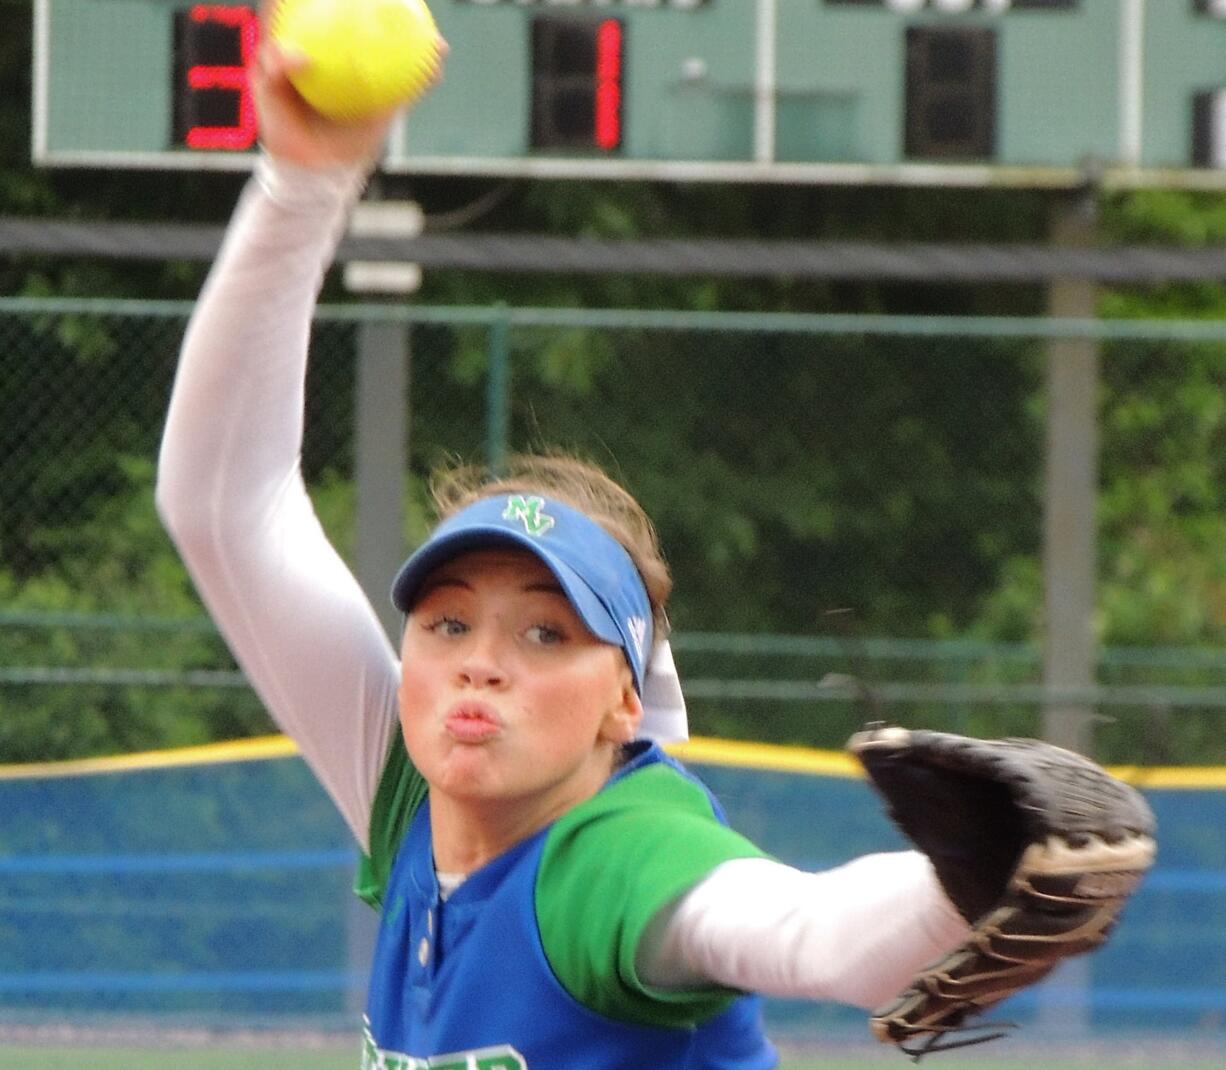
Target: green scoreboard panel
(991,92)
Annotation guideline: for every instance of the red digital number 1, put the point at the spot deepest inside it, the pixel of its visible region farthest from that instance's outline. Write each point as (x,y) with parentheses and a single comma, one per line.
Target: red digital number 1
(233,79)
(608,118)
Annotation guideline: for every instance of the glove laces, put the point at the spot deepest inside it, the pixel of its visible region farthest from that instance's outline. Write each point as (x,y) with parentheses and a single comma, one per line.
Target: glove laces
(941,1038)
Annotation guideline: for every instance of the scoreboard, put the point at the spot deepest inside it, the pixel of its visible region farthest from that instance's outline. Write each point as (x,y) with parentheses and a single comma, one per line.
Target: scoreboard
(963,92)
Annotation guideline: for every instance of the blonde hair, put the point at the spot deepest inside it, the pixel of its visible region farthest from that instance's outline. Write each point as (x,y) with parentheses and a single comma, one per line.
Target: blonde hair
(579,484)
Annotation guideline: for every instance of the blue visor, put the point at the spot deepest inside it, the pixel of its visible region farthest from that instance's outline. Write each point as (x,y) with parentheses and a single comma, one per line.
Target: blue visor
(593,568)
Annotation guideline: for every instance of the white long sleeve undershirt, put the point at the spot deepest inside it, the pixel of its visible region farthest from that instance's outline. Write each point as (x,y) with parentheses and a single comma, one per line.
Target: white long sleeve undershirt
(231,493)
(855,934)
(230,489)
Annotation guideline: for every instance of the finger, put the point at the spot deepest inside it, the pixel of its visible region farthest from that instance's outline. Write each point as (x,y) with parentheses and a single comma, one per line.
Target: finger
(274,65)
(292,61)
(276,60)
(442,48)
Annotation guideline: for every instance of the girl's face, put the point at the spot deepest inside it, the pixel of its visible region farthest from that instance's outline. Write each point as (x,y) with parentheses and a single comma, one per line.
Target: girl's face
(504,693)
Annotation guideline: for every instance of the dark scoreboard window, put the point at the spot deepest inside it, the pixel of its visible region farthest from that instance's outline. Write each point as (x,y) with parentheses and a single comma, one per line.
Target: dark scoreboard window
(951,93)
(213,108)
(577,67)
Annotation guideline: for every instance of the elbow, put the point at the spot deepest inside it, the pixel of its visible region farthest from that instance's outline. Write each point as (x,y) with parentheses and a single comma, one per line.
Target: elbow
(170,479)
(167,498)
(180,513)
(183,507)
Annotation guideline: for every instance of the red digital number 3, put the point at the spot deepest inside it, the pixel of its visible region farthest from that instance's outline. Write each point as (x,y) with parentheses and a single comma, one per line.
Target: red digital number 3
(232,79)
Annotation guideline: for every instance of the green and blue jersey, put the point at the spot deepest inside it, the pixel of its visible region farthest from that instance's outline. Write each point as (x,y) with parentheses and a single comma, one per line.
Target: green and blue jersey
(530,963)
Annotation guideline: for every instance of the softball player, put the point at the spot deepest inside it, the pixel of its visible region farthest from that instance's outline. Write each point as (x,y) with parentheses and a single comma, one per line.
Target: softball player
(555,892)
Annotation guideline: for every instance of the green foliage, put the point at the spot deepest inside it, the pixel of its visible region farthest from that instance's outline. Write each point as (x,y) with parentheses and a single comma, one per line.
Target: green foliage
(1162,508)
(1162,505)
(782,471)
(117,566)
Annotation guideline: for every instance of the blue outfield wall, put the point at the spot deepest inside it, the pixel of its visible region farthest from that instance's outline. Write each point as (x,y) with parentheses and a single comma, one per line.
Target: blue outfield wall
(218,894)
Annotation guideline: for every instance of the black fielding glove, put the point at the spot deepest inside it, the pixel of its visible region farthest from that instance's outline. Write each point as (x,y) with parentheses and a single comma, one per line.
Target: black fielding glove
(1037,847)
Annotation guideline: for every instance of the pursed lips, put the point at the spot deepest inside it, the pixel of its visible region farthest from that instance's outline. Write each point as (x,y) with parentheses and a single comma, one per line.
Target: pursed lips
(472,722)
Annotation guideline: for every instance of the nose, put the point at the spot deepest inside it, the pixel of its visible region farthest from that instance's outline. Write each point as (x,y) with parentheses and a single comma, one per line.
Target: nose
(482,664)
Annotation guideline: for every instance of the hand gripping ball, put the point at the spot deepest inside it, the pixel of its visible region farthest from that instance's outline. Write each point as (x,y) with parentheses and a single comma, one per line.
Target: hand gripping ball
(365,56)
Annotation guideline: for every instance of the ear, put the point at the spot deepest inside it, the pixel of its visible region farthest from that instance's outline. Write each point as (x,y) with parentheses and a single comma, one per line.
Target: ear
(621,721)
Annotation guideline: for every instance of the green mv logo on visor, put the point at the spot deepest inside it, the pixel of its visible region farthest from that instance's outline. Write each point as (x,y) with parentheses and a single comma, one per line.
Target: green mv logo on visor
(528,512)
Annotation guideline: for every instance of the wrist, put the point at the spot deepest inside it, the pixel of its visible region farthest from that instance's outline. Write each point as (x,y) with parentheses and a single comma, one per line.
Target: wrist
(296,186)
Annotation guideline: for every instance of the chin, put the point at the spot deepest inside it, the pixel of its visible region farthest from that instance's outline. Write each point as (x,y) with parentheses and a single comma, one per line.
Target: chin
(465,775)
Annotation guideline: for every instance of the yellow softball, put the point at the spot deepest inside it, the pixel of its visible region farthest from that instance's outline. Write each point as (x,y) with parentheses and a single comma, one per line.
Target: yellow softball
(365,56)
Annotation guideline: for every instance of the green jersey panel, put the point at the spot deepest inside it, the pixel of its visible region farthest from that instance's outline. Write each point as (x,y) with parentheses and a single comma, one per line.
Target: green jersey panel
(401,791)
(608,867)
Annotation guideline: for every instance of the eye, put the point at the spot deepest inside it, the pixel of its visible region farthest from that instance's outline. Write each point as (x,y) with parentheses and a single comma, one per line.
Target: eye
(544,635)
(446,626)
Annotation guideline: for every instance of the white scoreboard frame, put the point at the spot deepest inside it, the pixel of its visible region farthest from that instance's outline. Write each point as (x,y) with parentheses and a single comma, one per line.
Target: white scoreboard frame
(762,169)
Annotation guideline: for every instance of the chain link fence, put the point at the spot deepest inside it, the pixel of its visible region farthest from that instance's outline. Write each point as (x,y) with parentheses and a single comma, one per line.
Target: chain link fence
(820,476)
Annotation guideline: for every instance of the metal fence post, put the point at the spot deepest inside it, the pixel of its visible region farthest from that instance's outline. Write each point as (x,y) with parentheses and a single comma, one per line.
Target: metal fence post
(1071,495)
(1069,552)
(380,461)
(498,389)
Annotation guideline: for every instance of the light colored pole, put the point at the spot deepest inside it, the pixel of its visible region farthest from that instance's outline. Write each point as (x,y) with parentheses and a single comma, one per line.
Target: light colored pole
(1071,494)
(765,77)
(1131,80)
(381,462)
(1070,558)
(381,443)
(498,392)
